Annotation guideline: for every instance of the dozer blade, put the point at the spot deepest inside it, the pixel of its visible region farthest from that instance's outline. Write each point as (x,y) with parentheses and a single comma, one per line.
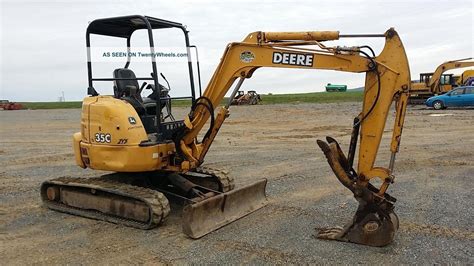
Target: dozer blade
(374,223)
(213,213)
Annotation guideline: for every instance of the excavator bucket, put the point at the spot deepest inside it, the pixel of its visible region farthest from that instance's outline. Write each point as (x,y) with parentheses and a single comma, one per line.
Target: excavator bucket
(215,212)
(371,230)
(374,223)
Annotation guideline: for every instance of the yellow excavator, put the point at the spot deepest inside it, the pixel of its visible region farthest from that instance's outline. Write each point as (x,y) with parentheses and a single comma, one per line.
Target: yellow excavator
(466,78)
(437,82)
(156,158)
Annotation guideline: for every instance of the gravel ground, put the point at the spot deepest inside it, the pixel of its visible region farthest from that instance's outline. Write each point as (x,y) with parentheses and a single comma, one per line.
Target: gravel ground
(435,170)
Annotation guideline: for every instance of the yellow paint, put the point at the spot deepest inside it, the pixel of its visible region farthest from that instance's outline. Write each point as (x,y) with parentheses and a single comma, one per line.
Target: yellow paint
(465,76)
(128,158)
(108,115)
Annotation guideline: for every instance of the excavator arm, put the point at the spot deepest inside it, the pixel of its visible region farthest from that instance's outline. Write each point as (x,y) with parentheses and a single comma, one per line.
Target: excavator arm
(387,81)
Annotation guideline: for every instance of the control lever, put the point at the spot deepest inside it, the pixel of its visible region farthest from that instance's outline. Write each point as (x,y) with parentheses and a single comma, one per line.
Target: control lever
(163,76)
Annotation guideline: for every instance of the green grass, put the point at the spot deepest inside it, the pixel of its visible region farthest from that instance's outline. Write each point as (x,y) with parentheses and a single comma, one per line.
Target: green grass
(313,97)
(51,105)
(181,103)
(76,105)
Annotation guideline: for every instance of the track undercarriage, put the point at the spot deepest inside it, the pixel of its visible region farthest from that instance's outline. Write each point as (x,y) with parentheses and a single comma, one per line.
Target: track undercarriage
(140,200)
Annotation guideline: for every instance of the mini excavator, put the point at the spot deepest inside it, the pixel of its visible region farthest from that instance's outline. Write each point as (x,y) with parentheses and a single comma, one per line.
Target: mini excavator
(156,158)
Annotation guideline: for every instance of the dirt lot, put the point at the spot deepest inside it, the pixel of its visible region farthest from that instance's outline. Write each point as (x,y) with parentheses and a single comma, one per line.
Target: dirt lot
(435,171)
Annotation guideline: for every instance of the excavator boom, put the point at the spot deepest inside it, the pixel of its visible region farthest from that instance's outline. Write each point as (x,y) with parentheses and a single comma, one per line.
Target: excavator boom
(387,81)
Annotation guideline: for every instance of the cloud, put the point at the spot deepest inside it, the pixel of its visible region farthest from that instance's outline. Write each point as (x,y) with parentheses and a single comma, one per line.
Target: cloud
(43,42)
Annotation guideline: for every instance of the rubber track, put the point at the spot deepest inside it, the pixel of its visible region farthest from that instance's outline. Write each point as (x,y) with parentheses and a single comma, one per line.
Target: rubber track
(155,200)
(225,180)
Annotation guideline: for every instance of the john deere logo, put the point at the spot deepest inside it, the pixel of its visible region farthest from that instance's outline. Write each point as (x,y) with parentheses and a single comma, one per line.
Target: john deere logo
(247,57)
(132,120)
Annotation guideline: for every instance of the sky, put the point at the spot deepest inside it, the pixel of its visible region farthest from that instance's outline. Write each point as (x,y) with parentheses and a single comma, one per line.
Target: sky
(43,50)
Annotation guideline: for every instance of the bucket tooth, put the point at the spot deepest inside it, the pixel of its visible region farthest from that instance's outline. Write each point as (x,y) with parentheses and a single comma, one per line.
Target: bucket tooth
(215,212)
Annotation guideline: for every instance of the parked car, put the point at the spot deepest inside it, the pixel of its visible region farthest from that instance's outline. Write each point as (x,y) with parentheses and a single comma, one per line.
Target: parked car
(460,96)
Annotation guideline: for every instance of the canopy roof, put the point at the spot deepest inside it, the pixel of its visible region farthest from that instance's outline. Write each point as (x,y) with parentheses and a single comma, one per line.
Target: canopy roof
(125,26)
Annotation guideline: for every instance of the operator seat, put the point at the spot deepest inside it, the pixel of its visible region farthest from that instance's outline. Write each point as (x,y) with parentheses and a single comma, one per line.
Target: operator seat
(128,88)
(130,91)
